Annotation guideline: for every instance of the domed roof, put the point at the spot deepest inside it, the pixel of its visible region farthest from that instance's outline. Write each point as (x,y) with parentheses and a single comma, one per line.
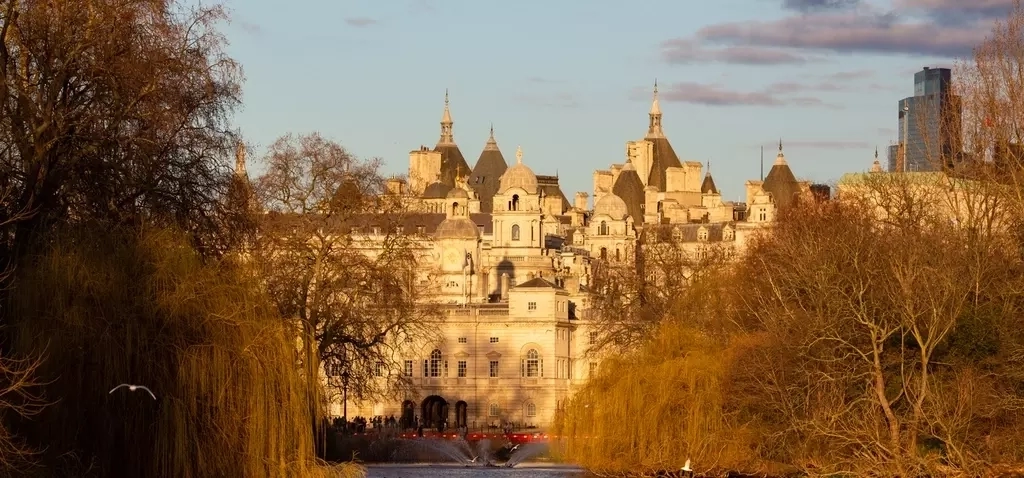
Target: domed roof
(436,190)
(611,205)
(519,176)
(457,228)
(458,193)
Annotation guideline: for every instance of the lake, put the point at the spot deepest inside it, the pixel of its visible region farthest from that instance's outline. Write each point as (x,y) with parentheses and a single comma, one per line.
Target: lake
(523,470)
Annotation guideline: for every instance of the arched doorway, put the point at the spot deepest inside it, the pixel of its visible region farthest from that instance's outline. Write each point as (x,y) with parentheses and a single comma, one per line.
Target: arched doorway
(408,419)
(461,414)
(434,412)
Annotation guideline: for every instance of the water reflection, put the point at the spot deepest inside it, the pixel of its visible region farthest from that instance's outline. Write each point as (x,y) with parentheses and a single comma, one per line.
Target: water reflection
(522,470)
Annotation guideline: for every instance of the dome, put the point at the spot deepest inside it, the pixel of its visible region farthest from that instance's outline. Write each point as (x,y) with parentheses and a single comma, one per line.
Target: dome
(457,228)
(436,190)
(611,205)
(519,176)
(458,193)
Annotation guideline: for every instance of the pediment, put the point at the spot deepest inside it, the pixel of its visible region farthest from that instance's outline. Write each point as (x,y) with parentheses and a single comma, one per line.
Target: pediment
(493,355)
(461,354)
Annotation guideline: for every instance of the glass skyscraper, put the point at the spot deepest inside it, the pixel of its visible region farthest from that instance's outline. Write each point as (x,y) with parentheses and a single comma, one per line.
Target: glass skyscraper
(929,125)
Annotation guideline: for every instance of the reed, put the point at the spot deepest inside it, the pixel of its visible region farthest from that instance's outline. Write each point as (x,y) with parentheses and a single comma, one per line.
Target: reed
(143,307)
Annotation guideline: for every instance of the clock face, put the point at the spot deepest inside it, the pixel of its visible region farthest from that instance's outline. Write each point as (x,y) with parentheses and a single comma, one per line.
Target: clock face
(451,256)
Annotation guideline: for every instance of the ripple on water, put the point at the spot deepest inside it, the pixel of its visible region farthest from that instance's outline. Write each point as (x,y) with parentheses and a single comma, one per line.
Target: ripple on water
(524,470)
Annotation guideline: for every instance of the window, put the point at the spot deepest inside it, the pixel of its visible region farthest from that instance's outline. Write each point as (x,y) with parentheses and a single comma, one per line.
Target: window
(445,368)
(494,340)
(379,369)
(495,410)
(531,305)
(604,253)
(515,232)
(421,229)
(593,338)
(603,229)
(480,229)
(435,363)
(407,368)
(727,234)
(531,409)
(408,340)
(399,229)
(593,368)
(426,368)
(515,202)
(462,368)
(493,370)
(531,365)
(702,234)
(618,254)
(462,340)
(376,230)
(356,230)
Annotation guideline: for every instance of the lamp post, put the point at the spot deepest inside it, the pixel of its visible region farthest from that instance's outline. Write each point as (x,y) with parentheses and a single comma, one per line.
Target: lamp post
(344,392)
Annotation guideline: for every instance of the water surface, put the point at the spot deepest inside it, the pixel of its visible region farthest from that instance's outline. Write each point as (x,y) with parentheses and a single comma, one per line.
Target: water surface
(523,470)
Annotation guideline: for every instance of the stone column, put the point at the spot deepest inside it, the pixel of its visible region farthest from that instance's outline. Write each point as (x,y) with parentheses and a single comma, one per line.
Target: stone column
(504,286)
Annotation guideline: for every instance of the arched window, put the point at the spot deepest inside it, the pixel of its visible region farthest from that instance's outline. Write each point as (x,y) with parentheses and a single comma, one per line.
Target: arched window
(515,232)
(618,254)
(604,253)
(532,365)
(603,229)
(455,208)
(531,409)
(435,363)
(515,202)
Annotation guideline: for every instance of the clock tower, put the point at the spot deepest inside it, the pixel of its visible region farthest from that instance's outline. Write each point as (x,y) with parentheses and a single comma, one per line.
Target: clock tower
(458,238)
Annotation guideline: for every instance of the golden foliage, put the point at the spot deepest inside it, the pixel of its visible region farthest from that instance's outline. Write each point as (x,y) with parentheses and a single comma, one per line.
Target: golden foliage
(143,308)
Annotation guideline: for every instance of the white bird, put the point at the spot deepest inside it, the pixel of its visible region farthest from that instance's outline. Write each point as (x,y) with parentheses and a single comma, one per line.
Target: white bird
(686,466)
(134,388)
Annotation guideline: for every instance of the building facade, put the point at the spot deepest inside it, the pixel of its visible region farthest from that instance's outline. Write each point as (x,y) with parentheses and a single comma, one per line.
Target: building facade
(514,258)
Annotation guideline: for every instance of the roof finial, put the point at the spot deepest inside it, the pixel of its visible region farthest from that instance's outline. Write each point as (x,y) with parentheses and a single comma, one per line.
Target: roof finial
(709,167)
(655,88)
(780,145)
(446,123)
(519,154)
(876,152)
(492,130)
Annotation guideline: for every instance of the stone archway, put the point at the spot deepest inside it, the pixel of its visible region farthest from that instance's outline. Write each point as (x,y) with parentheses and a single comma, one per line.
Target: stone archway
(434,412)
(461,414)
(408,419)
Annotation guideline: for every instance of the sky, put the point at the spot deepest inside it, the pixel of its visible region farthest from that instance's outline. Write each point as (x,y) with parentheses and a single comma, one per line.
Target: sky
(570,81)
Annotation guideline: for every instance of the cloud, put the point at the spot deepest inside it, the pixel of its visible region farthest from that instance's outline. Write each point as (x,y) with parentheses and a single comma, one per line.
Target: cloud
(543,80)
(887,131)
(681,51)
(819,144)
(818,5)
(929,28)
(714,95)
(360,22)
(954,12)
(561,100)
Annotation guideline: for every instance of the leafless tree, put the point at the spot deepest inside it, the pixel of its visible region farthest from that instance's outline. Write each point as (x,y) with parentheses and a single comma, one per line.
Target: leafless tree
(352,290)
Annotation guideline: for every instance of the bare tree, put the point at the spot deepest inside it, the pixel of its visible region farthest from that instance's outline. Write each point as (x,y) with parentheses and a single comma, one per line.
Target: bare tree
(336,260)
(632,297)
(113,111)
(19,395)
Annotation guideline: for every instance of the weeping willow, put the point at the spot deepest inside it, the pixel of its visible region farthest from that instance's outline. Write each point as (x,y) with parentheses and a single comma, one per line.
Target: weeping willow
(143,308)
(655,408)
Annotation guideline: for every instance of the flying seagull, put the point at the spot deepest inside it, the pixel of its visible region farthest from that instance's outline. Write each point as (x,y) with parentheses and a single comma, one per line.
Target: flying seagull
(134,388)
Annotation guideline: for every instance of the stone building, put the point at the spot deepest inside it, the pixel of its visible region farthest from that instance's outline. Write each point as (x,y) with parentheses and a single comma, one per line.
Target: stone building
(512,257)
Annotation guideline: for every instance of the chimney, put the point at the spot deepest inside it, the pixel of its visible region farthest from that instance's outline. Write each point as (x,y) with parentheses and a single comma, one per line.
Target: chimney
(581,201)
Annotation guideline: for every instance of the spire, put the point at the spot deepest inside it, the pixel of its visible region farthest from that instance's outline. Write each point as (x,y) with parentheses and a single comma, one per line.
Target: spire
(780,159)
(876,166)
(519,155)
(492,144)
(708,173)
(446,123)
(654,125)
(240,159)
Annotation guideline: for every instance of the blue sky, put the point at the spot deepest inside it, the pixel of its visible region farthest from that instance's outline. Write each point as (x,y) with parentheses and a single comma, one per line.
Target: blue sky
(570,80)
